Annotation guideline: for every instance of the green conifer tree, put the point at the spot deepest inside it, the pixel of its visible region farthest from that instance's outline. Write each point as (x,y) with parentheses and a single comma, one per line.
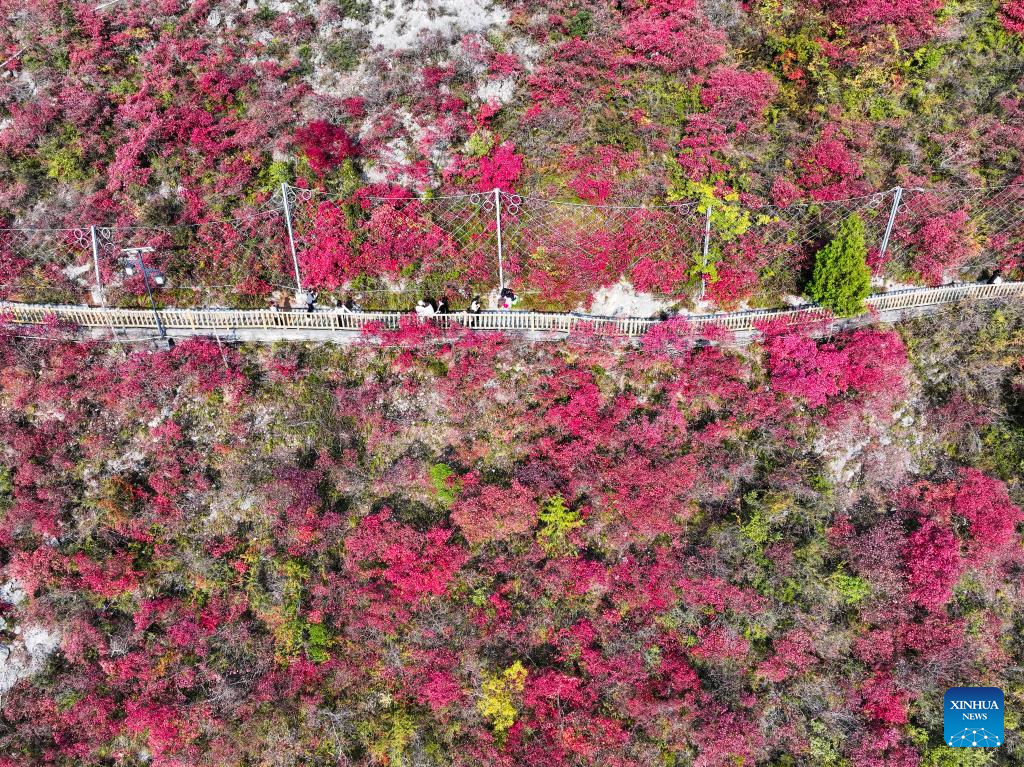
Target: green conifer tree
(842,278)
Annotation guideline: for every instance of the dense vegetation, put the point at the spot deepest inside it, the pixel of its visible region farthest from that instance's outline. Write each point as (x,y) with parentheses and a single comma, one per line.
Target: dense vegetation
(464,550)
(779,115)
(444,548)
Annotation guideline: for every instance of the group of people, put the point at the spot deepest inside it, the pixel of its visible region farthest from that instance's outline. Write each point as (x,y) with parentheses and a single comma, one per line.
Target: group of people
(281,301)
(428,307)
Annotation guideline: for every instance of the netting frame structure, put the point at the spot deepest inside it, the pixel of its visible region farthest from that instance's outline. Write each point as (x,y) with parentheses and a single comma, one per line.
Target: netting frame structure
(301,240)
(368,244)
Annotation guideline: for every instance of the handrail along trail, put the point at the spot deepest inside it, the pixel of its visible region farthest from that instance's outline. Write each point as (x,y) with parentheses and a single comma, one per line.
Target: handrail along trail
(200,322)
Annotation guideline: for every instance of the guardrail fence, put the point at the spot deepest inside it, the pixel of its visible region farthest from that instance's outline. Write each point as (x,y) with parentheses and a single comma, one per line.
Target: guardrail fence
(208,321)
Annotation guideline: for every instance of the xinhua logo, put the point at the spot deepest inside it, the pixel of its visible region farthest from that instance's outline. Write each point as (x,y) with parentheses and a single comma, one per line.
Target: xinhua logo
(974,717)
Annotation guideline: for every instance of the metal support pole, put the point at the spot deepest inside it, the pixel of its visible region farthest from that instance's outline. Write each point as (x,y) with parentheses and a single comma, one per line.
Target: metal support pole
(149,292)
(704,261)
(99,296)
(497,215)
(892,220)
(291,241)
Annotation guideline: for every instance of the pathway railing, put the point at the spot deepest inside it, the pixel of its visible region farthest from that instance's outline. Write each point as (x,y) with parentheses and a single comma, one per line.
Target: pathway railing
(207,321)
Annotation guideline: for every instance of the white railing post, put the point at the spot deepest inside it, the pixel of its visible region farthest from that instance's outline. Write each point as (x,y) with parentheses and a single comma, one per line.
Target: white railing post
(704,258)
(299,295)
(497,217)
(99,296)
(892,220)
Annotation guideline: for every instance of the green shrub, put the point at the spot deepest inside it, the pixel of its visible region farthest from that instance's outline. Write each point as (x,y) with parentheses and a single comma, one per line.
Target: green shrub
(317,642)
(579,25)
(354,9)
(842,278)
(761,511)
(6,489)
(387,736)
(271,176)
(266,14)
(479,143)
(851,588)
(1002,454)
(556,522)
(944,756)
(343,54)
(824,748)
(498,695)
(440,480)
(63,158)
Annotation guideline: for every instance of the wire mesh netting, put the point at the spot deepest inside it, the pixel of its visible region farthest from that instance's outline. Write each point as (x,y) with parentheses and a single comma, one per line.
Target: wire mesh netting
(45,265)
(234,261)
(939,235)
(1000,221)
(393,250)
(776,245)
(567,250)
(805,227)
(389,251)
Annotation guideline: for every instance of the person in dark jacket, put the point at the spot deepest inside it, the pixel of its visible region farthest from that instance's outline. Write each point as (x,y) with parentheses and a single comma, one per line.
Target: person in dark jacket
(508,299)
(474,305)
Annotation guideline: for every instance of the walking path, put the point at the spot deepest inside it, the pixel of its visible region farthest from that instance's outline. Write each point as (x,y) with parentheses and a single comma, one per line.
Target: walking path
(333,325)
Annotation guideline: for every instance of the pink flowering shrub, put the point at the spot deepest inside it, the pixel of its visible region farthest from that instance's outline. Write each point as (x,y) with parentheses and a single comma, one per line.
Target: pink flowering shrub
(1011,15)
(913,19)
(487,512)
(794,656)
(829,169)
(986,506)
(324,145)
(738,269)
(940,245)
(671,35)
(737,97)
(439,690)
(933,563)
(501,170)
(415,566)
(399,237)
(330,258)
(703,142)
(942,548)
(869,362)
(882,702)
